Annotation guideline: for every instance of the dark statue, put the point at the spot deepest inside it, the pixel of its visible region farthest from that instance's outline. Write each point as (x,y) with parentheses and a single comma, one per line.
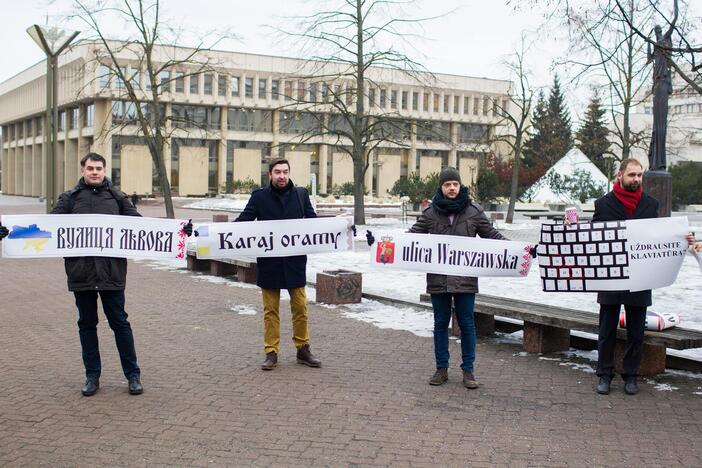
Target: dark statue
(662,88)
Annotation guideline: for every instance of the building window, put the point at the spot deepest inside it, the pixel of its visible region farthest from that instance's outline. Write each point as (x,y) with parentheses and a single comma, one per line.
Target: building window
(472,133)
(425,101)
(103,75)
(235,85)
(349,95)
(39,126)
(221,85)
(486,105)
(393,99)
(165,81)
(415,100)
(300,122)
(429,130)
(179,82)
(456,104)
(62,121)
(313,92)
(371,97)
(466,104)
(248,87)
(447,100)
(383,98)
(20,130)
(194,85)
(301,90)
(476,105)
(275,89)
(29,127)
(325,92)
(134,78)
(435,107)
(195,116)
(262,83)
(288,90)
(249,120)
(404,100)
(89,115)
(495,107)
(74,118)
(207,85)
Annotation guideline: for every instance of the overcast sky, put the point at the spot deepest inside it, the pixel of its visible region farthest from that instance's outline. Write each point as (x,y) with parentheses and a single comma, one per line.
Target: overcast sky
(474,39)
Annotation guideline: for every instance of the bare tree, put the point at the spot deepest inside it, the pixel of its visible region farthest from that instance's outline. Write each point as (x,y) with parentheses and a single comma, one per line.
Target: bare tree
(515,123)
(685,51)
(146,48)
(349,46)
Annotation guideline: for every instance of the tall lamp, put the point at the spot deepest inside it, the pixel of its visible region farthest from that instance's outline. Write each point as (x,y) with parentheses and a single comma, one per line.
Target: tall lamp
(52,41)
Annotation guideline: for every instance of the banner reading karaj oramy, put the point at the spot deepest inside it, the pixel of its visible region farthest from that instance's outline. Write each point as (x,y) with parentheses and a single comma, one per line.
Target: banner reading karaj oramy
(632,255)
(281,238)
(92,235)
(451,255)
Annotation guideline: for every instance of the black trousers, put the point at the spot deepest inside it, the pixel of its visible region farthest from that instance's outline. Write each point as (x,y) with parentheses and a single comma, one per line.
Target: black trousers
(113,305)
(607,339)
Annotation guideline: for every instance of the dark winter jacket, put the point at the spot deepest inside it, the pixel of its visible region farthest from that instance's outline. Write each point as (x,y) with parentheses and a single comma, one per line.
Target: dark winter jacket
(268,204)
(470,222)
(95,273)
(609,208)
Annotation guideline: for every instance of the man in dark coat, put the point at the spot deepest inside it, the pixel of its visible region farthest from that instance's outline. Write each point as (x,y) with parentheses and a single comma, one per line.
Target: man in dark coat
(453,213)
(282,200)
(89,277)
(626,201)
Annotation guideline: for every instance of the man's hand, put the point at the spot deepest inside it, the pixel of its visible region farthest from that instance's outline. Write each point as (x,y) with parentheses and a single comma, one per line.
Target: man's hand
(369,237)
(532,251)
(188,228)
(3,232)
(353,228)
(697,247)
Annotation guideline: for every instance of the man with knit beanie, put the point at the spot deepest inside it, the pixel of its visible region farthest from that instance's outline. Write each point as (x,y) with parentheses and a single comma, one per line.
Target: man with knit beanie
(626,201)
(453,213)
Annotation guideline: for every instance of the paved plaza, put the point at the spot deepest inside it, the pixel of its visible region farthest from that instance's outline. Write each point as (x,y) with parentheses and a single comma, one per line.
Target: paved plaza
(207,403)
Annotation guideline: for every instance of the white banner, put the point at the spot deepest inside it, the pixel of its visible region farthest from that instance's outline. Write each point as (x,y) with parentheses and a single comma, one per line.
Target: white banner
(631,255)
(451,255)
(282,238)
(92,235)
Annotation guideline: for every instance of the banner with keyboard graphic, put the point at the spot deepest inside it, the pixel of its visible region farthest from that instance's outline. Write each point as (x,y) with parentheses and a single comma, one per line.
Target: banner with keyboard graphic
(632,255)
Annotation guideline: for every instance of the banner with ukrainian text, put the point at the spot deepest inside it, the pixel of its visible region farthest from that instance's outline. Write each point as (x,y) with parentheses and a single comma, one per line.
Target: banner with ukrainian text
(92,235)
(451,255)
(282,238)
(632,255)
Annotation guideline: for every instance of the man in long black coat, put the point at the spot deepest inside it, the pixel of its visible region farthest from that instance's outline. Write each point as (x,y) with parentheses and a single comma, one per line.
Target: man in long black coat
(89,277)
(282,200)
(626,201)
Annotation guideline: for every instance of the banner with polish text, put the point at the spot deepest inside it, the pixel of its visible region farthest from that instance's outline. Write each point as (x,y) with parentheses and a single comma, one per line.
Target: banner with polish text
(451,255)
(92,235)
(281,238)
(632,255)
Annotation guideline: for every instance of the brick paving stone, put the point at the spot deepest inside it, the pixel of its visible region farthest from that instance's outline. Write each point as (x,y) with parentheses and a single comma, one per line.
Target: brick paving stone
(207,403)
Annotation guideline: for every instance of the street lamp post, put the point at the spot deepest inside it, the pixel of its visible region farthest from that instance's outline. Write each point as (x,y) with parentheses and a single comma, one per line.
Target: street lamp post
(52,41)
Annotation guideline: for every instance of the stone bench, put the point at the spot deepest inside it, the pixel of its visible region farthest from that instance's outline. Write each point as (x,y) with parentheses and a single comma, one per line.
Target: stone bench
(547,329)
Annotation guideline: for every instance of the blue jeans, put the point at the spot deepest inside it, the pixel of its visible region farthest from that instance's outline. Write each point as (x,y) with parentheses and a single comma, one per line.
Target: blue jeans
(113,305)
(464,303)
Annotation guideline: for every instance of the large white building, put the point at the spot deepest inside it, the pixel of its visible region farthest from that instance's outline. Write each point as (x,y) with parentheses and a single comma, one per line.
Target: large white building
(229,121)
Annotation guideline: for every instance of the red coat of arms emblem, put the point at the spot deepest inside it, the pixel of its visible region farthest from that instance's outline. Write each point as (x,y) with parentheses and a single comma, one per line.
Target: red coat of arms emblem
(385,252)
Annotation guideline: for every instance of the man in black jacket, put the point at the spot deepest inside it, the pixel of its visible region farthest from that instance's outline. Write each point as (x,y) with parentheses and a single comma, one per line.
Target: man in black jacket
(89,277)
(626,201)
(282,200)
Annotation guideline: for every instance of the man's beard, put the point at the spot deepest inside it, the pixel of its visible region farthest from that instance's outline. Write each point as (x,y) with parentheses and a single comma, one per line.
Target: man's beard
(632,187)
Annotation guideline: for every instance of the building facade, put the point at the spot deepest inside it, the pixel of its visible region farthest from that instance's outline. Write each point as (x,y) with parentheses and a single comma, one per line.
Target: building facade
(227,121)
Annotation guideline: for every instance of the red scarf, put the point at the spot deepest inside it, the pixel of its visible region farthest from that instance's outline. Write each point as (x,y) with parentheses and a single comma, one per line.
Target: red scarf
(630,200)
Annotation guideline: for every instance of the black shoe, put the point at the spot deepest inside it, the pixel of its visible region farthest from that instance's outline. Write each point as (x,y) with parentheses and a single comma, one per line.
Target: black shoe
(271,361)
(630,386)
(603,385)
(91,386)
(135,387)
(305,356)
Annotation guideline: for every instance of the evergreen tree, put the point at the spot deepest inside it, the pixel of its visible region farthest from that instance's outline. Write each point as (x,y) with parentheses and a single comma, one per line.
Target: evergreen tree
(592,136)
(552,137)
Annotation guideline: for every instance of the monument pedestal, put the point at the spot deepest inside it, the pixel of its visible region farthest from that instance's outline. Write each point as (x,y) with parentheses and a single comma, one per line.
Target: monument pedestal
(659,184)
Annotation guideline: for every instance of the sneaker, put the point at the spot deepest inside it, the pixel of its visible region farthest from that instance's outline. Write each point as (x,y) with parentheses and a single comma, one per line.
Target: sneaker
(469,380)
(439,377)
(91,386)
(271,361)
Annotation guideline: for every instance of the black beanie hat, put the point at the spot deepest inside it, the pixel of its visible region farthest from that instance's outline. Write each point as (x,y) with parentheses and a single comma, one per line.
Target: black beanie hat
(449,173)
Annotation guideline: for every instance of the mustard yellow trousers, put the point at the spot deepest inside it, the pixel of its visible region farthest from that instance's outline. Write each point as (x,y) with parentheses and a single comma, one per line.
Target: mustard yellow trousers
(271,318)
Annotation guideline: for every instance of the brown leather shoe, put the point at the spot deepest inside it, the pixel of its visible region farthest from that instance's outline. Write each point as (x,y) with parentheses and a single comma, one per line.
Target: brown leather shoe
(305,356)
(469,380)
(271,361)
(439,377)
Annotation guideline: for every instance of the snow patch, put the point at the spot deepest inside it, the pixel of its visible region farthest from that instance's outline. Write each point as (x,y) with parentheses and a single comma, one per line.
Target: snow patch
(244,309)
(418,322)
